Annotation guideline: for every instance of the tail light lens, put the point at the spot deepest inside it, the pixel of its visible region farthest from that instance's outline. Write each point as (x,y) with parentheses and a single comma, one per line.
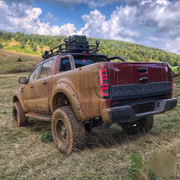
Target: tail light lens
(171,78)
(104,83)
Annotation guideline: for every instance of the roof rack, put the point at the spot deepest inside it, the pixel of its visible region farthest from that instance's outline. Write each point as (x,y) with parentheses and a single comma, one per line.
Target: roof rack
(73,44)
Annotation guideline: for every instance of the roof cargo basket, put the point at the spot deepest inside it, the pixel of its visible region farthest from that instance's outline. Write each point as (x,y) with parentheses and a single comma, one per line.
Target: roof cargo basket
(77,44)
(73,44)
(77,39)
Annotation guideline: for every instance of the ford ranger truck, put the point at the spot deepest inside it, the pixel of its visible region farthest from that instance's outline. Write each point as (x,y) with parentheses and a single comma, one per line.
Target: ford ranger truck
(77,89)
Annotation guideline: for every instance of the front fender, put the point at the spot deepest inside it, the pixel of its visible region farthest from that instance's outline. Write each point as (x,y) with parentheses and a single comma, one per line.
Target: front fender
(17,97)
(67,90)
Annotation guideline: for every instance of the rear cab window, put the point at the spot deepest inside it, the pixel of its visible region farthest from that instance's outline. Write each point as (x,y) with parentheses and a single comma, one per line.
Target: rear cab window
(64,64)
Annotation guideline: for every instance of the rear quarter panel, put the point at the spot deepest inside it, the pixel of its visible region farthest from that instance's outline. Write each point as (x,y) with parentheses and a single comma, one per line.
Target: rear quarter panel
(82,81)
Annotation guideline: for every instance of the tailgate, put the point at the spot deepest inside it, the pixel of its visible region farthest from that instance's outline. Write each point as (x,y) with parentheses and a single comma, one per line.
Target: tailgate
(135,80)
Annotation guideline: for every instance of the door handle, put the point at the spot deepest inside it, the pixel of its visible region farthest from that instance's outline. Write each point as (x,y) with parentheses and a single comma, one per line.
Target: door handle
(32,86)
(142,69)
(44,82)
(144,80)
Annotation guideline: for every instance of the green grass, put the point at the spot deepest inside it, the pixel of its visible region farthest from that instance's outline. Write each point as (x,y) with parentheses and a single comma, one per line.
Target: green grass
(137,168)
(46,137)
(107,155)
(174,69)
(26,49)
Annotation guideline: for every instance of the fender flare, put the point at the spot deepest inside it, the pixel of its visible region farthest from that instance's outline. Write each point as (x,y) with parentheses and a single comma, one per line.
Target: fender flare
(18,97)
(67,90)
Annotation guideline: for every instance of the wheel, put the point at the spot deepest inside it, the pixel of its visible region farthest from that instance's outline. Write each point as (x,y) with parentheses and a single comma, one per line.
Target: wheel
(19,118)
(68,133)
(141,126)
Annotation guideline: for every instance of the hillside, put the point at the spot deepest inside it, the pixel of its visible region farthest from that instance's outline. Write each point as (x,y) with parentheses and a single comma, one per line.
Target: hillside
(37,44)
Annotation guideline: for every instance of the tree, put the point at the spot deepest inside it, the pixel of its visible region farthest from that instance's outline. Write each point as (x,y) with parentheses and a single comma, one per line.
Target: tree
(162,57)
(17,36)
(169,59)
(31,44)
(1,45)
(42,49)
(34,48)
(22,45)
(155,56)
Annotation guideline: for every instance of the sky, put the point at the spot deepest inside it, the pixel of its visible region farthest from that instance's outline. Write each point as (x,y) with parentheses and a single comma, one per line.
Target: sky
(154,23)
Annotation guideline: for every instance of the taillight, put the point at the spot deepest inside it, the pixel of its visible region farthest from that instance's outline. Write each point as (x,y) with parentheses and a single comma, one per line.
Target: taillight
(86,54)
(104,83)
(171,78)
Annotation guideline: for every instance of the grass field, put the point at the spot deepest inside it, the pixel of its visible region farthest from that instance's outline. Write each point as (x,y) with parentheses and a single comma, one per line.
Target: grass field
(24,156)
(9,62)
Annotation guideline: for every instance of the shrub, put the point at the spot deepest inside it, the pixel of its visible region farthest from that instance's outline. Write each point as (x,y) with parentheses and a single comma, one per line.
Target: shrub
(137,168)
(152,175)
(36,129)
(19,60)
(46,137)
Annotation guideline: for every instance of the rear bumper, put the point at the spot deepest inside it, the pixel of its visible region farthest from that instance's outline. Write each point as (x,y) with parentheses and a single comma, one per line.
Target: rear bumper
(126,113)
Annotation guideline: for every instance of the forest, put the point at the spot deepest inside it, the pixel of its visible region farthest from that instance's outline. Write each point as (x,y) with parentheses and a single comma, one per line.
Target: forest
(37,44)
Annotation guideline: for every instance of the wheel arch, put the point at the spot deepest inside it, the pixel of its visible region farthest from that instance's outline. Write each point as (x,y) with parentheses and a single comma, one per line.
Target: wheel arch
(59,100)
(65,93)
(17,98)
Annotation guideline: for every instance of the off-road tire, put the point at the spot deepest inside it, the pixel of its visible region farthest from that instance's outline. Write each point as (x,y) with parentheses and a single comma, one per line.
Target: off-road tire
(19,118)
(143,126)
(68,132)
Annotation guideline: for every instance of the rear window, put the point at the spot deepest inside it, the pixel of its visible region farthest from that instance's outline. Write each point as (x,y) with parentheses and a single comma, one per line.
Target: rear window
(65,63)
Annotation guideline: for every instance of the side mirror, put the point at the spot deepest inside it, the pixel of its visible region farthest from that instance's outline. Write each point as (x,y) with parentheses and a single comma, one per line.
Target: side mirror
(22,80)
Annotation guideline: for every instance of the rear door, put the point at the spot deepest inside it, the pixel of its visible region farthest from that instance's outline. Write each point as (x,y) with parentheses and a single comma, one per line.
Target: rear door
(43,87)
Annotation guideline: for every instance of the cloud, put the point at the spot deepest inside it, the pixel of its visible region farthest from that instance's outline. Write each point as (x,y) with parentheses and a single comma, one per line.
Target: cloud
(149,22)
(50,16)
(96,26)
(153,23)
(25,18)
(69,3)
(29,2)
(90,3)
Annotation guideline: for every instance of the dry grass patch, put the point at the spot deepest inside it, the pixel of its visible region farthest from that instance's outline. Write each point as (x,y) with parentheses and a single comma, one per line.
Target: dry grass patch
(9,62)
(24,156)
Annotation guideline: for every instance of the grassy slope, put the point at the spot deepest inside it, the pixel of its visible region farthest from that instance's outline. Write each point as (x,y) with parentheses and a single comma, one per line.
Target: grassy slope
(24,156)
(9,62)
(14,46)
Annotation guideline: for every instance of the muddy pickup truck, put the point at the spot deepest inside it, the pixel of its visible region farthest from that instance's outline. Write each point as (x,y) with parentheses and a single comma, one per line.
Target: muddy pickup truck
(77,89)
